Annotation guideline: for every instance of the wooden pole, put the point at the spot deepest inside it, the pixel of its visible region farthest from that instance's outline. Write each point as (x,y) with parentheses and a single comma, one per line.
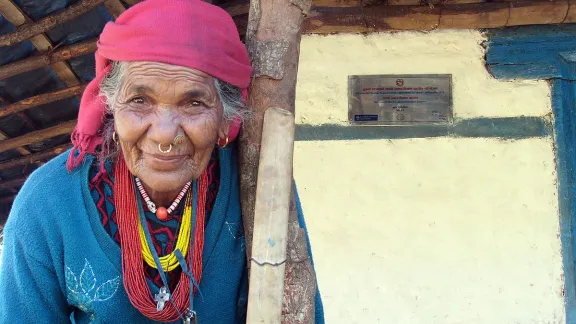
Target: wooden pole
(273,42)
(29,30)
(35,157)
(37,136)
(271,217)
(41,100)
(47,58)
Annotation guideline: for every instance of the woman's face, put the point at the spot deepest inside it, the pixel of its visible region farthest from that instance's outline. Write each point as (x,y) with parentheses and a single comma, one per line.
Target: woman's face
(156,103)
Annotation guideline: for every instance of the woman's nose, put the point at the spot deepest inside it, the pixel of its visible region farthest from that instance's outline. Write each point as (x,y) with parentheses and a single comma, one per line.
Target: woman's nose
(164,126)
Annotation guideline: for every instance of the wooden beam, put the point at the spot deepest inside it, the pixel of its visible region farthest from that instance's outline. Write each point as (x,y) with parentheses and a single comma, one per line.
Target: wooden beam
(370,3)
(29,122)
(48,58)
(325,20)
(115,8)
(21,150)
(9,184)
(35,157)
(449,14)
(37,136)
(17,17)
(29,30)
(41,100)
(241,7)
(13,13)
(549,12)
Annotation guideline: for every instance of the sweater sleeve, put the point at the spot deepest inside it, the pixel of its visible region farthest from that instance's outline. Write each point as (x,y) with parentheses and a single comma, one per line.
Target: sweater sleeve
(319,308)
(29,290)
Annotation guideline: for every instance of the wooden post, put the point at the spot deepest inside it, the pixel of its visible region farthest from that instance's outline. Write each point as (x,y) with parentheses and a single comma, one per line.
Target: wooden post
(273,42)
(271,218)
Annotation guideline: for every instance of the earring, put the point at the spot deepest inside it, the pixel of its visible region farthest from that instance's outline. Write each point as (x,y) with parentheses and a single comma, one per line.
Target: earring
(223,145)
(114,137)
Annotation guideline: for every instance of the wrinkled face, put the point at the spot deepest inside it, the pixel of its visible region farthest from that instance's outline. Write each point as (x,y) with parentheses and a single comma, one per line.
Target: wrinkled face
(156,103)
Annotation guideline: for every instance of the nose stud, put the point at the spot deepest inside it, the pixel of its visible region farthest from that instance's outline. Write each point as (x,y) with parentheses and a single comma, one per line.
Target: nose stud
(164,151)
(179,140)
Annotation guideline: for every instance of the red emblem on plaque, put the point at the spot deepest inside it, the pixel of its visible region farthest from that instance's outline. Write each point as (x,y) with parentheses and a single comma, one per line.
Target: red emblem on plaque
(400,82)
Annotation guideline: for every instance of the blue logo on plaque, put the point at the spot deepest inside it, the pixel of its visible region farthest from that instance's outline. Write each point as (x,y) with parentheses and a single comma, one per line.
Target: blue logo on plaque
(365,117)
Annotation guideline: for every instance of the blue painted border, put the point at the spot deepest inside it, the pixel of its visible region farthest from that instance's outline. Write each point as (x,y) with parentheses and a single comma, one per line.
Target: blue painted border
(533,53)
(563,106)
(548,52)
(504,128)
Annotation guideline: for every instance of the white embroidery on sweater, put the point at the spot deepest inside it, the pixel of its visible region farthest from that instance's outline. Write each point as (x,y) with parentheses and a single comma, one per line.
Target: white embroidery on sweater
(82,291)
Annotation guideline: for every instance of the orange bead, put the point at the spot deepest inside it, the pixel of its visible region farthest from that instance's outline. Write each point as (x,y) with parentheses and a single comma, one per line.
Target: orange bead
(161,213)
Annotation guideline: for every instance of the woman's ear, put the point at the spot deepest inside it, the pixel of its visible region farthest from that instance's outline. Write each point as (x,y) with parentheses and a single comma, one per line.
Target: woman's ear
(223,130)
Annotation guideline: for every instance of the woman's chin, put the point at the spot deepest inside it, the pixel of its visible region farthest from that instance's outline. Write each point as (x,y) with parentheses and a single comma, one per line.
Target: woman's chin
(165,181)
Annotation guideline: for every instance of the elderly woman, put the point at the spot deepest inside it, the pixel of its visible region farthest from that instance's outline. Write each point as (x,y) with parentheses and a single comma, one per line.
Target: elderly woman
(140,222)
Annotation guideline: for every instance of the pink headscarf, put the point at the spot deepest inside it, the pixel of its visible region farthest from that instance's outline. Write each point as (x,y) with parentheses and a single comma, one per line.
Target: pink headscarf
(189,33)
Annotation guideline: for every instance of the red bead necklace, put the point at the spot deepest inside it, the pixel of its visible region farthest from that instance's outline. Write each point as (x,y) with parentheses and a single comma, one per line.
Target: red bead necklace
(161,212)
(134,279)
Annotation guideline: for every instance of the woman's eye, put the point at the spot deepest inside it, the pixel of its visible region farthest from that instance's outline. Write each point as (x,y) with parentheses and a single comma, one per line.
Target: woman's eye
(137,100)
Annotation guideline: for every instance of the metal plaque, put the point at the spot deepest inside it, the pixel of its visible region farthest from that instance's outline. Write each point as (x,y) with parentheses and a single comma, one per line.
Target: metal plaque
(400,99)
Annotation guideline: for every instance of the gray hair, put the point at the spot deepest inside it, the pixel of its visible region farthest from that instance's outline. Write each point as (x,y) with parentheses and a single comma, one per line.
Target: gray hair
(230,96)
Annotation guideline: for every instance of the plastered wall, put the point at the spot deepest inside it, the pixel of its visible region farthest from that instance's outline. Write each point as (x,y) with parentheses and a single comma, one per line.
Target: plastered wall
(428,230)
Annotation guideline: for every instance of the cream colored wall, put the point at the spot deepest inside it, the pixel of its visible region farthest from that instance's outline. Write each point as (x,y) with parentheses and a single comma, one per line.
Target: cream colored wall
(439,230)
(326,62)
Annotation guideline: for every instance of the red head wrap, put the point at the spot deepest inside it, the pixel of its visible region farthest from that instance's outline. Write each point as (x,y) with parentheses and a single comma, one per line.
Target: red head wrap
(189,33)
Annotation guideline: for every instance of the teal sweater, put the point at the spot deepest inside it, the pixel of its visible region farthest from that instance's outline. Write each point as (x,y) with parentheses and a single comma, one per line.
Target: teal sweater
(59,265)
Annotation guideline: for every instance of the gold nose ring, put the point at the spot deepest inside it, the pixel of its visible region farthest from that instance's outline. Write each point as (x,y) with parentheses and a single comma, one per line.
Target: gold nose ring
(164,151)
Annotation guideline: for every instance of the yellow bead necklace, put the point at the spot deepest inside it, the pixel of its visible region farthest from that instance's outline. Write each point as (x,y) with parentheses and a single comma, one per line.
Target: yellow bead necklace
(170,262)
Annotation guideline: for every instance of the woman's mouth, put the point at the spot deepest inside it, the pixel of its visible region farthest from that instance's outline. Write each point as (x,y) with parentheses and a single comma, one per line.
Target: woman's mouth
(164,162)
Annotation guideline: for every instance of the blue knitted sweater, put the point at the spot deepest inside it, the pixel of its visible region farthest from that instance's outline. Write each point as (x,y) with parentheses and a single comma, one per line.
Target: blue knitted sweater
(59,265)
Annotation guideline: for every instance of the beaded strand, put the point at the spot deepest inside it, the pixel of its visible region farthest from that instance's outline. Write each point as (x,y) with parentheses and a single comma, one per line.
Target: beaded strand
(161,212)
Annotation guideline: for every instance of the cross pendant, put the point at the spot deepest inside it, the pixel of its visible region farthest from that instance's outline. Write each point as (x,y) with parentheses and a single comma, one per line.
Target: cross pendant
(161,298)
